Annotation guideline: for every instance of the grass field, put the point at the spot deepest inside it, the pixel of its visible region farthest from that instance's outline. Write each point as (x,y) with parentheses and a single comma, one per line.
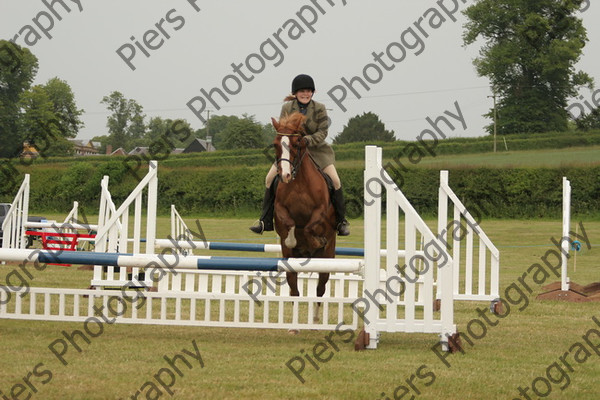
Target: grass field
(578,156)
(550,158)
(511,352)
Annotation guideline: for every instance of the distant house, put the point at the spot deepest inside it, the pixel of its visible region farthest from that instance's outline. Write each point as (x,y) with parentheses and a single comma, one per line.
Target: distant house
(119,152)
(137,151)
(199,145)
(28,152)
(85,148)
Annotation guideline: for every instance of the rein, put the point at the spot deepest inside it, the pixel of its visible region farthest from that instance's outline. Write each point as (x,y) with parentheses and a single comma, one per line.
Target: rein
(288,134)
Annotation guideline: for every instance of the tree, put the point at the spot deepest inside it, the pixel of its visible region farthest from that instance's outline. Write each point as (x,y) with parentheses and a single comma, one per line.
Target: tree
(364,128)
(589,121)
(216,128)
(180,133)
(18,67)
(157,127)
(268,133)
(38,123)
(64,107)
(44,115)
(169,133)
(529,55)
(48,116)
(243,134)
(126,123)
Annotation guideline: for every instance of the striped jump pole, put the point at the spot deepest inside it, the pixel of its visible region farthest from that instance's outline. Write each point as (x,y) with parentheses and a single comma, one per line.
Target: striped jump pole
(174,261)
(256,247)
(60,225)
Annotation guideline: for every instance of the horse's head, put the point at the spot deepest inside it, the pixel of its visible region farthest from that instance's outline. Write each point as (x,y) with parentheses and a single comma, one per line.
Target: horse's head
(289,145)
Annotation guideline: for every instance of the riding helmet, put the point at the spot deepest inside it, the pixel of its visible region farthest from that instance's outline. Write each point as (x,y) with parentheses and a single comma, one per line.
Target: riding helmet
(303,81)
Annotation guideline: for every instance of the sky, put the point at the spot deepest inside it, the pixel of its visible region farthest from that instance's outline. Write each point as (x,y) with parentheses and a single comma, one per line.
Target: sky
(403,60)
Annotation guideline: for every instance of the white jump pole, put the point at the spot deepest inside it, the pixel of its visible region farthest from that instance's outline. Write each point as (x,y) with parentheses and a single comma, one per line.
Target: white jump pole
(172,262)
(566,222)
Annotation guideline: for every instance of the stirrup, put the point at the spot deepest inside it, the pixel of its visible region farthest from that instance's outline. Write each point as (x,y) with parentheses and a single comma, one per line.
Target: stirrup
(342,228)
(258,227)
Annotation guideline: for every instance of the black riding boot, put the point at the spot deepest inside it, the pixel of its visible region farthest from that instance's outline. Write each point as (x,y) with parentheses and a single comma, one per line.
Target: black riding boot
(265,223)
(340,213)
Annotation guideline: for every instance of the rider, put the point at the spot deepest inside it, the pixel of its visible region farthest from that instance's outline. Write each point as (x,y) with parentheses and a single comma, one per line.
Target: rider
(316,126)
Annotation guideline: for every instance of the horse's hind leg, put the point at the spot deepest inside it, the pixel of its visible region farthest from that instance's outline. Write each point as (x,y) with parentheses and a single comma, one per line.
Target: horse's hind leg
(321,286)
(316,229)
(323,279)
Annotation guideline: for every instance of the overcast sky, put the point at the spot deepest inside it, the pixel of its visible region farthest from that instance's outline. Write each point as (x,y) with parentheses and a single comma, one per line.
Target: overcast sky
(268,42)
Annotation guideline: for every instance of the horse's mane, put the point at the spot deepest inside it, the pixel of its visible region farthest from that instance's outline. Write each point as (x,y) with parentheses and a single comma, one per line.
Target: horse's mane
(292,123)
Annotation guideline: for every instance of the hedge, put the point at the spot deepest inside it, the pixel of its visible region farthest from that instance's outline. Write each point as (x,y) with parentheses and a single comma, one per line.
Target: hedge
(495,193)
(232,182)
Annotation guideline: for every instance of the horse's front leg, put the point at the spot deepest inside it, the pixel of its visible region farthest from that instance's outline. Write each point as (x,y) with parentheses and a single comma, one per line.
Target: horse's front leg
(286,227)
(316,229)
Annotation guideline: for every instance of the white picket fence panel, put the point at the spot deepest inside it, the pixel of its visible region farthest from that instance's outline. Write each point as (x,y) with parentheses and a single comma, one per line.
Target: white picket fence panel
(477,274)
(181,309)
(113,231)
(402,311)
(180,232)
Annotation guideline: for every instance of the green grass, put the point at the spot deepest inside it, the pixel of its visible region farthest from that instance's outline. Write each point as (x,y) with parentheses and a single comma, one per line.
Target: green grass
(250,363)
(549,158)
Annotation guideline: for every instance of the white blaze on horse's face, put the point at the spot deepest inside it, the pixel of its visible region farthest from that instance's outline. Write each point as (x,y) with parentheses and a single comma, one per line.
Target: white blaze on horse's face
(285,162)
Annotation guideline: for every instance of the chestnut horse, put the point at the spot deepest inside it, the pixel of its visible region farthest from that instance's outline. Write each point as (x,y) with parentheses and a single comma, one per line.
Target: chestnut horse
(304,215)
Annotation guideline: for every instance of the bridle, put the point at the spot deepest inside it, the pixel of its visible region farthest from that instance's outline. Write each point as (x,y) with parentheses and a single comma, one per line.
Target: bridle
(297,163)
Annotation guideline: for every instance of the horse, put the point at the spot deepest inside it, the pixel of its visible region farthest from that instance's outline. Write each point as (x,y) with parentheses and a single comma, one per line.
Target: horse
(304,214)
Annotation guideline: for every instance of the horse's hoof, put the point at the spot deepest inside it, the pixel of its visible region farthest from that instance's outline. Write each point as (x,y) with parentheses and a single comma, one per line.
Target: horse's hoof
(316,320)
(293,331)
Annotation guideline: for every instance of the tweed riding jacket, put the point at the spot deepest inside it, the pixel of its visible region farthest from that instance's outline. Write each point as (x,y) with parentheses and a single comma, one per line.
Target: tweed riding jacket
(316,127)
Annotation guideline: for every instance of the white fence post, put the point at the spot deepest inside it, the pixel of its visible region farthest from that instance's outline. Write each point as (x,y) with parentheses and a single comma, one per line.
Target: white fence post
(566,212)
(13,226)
(152,204)
(372,217)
